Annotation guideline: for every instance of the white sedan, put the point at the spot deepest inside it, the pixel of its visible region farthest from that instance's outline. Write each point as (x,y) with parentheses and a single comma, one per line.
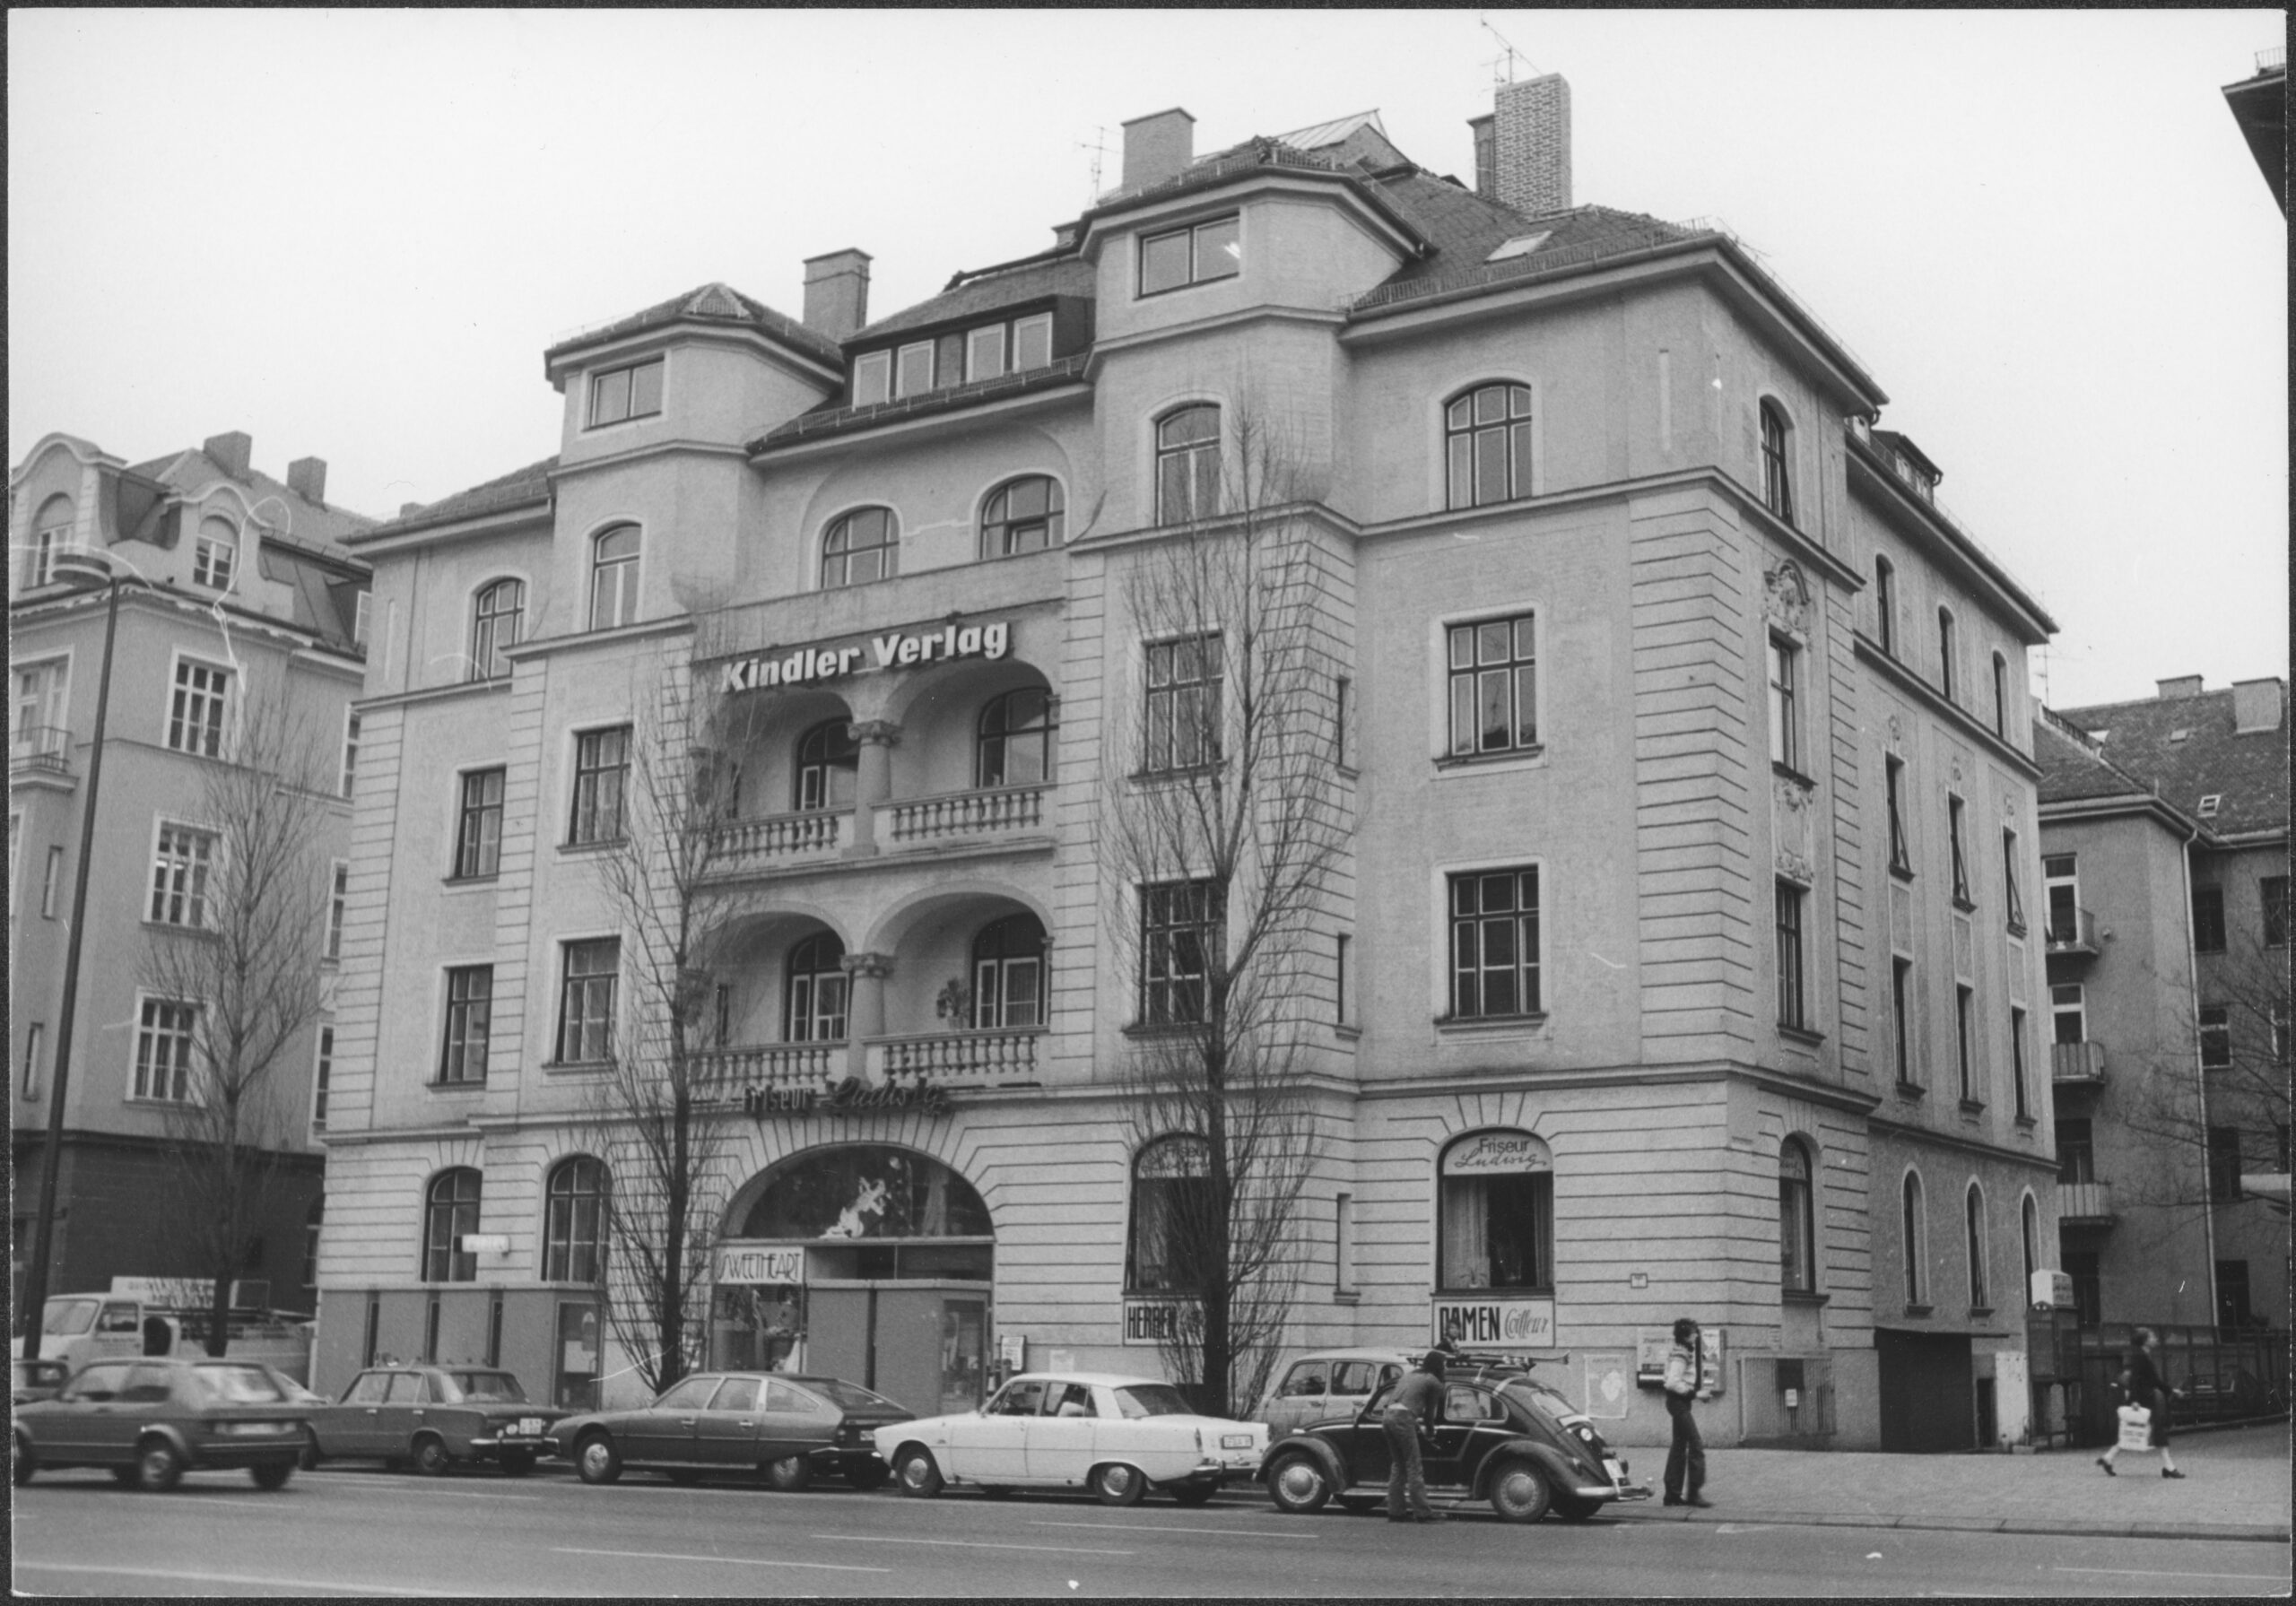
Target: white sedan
(1116,1436)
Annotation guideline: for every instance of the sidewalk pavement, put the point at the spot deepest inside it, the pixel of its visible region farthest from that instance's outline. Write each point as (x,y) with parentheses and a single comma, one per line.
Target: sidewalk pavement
(2236,1486)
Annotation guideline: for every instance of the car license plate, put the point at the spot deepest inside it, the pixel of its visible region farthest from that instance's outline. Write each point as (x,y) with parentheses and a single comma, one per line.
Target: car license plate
(1617,1473)
(1235,1441)
(530,1427)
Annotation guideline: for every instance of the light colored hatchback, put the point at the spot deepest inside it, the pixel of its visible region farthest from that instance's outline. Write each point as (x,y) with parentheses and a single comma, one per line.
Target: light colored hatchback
(1329,1382)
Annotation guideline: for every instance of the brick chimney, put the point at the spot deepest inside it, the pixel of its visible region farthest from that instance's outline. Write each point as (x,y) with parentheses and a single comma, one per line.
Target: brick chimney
(2184,685)
(233,451)
(1158,146)
(2257,705)
(1529,137)
(306,478)
(837,292)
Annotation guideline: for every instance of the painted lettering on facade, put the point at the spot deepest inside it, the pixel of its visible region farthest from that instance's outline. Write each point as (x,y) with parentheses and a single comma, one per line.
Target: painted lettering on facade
(851,1095)
(1498,1154)
(1516,1323)
(811,666)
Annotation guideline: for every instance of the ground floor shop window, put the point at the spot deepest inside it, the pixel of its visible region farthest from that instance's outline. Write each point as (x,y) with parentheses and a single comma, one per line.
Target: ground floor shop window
(1171,1216)
(866,1190)
(755,1328)
(1496,1212)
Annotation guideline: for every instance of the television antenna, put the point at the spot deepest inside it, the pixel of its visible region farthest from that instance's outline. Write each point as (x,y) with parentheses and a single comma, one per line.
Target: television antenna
(1506,61)
(1098,146)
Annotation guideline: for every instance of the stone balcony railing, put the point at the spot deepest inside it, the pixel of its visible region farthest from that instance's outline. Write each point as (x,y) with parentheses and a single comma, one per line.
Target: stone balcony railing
(982,1058)
(2076,1065)
(772,1066)
(920,821)
(774,839)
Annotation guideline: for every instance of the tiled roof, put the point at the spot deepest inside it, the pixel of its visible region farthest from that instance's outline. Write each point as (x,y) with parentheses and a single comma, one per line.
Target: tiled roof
(2186,746)
(505,491)
(712,303)
(1222,167)
(1464,228)
(317,523)
(1065,275)
(2071,771)
(831,419)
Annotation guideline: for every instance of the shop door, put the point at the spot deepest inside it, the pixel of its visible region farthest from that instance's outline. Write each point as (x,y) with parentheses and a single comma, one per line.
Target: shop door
(1927,1391)
(922,1345)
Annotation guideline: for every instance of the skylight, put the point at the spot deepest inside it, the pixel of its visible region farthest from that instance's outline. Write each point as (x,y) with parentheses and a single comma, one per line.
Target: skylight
(2209,805)
(1522,244)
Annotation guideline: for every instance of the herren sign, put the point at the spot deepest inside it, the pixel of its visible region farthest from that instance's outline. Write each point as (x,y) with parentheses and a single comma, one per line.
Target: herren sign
(900,649)
(846,1096)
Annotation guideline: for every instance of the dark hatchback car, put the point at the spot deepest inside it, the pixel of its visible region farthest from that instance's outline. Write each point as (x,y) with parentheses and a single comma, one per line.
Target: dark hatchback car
(1502,1437)
(433,1419)
(151,1420)
(791,1427)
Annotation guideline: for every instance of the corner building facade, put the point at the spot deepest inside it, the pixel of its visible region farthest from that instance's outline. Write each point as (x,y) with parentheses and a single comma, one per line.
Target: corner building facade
(1609,1036)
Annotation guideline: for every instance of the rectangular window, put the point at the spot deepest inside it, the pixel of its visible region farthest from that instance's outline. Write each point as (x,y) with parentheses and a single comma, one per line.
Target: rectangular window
(1494,686)
(179,870)
(1792,1009)
(2076,1151)
(196,711)
(1180,922)
(52,883)
(338,904)
(350,749)
(1901,852)
(585,1002)
(1885,604)
(1342,715)
(322,1074)
(2224,1164)
(2017,1063)
(1344,1245)
(211,557)
(626,393)
(1964,1041)
(1183,712)
(1344,979)
(1945,653)
(2274,891)
(35,1046)
(2069,1013)
(163,1050)
(1785,737)
(2061,885)
(2015,900)
(1902,1018)
(478,842)
(600,771)
(1192,255)
(1953,812)
(470,1009)
(2215,1036)
(2000,697)
(913,370)
(872,378)
(984,353)
(1495,944)
(2208,919)
(1032,342)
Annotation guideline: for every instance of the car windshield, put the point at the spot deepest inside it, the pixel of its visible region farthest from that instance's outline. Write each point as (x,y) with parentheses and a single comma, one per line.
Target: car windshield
(1536,1395)
(851,1395)
(236,1386)
(1151,1400)
(486,1385)
(67,1316)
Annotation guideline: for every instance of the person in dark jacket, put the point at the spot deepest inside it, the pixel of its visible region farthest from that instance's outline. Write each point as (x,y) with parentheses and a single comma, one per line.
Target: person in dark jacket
(1686,1456)
(1418,1400)
(2148,1388)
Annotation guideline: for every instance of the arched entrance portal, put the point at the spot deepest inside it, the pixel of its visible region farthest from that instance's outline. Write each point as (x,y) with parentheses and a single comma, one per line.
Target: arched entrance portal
(869,1261)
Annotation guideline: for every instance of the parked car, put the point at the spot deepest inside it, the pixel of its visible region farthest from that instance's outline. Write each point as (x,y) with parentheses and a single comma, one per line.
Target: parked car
(432,1418)
(1117,1435)
(791,1427)
(151,1420)
(38,1379)
(1329,1382)
(1502,1437)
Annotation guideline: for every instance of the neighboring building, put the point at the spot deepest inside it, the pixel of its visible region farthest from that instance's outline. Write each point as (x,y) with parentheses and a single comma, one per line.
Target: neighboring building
(233,583)
(1667,969)
(2164,842)
(2259,104)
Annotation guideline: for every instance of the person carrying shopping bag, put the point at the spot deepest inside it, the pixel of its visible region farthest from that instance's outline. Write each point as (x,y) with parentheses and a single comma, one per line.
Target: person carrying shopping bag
(2146,1387)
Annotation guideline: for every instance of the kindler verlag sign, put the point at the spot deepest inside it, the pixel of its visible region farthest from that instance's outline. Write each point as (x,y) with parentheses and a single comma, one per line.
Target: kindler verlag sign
(900,649)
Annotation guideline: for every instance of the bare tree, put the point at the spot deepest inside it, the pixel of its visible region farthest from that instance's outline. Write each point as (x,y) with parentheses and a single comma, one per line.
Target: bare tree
(1225,817)
(232,995)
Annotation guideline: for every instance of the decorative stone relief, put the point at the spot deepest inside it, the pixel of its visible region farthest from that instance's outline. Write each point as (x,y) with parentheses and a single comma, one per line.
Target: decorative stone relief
(1897,732)
(1786,599)
(1791,806)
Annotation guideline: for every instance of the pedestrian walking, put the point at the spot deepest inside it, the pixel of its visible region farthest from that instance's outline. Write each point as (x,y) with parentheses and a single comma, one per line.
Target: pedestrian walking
(1418,1400)
(1686,1456)
(2145,1386)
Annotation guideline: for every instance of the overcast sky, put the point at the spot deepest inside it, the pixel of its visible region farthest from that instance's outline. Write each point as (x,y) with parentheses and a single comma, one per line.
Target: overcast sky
(352,234)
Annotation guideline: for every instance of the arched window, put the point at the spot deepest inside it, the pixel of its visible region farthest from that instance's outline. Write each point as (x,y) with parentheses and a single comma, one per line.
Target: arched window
(51,533)
(814,1010)
(1973,1209)
(829,764)
(1021,516)
(1487,439)
(2031,1221)
(1172,1220)
(495,618)
(613,577)
(1798,1226)
(861,546)
(1945,652)
(1885,604)
(871,1191)
(1014,746)
(2001,696)
(451,1212)
(1187,465)
(1496,1220)
(1777,477)
(574,1224)
(214,553)
(1008,973)
(1913,1237)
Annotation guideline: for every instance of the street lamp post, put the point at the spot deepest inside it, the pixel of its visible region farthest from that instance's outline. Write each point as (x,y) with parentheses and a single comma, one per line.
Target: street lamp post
(86,568)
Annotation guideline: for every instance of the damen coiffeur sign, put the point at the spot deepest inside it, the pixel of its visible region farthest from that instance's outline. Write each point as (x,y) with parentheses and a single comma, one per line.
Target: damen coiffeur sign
(898,649)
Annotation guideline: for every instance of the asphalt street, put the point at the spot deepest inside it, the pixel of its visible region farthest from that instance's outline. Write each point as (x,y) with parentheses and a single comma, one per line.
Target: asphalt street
(376,1533)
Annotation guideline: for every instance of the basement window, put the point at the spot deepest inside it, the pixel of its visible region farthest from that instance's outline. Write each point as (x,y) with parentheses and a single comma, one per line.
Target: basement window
(1521,245)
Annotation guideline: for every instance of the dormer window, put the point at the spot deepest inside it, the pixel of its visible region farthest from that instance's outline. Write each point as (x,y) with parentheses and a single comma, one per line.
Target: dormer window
(988,352)
(913,369)
(872,378)
(622,394)
(1196,254)
(213,554)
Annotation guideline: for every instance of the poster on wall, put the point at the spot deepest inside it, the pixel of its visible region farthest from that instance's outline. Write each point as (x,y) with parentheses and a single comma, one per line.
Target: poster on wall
(1651,1344)
(1609,1385)
(1499,1321)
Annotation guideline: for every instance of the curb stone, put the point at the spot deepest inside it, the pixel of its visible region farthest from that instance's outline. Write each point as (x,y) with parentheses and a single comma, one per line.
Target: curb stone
(2236,1533)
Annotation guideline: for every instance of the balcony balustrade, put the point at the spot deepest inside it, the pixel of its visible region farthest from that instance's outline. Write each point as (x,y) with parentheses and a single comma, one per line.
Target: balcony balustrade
(43,747)
(2072,933)
(2076,1065)
(2088,1203)
(984,1058)
(728,1071)
(773,839)
(922,821)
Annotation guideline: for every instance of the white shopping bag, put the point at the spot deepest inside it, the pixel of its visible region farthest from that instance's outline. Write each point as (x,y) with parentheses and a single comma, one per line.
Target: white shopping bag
(2136,1427)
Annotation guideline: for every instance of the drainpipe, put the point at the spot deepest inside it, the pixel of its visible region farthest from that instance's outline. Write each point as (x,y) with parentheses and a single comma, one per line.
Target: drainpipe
(2200,1075)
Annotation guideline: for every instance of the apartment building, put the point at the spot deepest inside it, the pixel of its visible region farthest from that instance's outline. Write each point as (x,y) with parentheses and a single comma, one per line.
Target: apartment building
(228,589)
(1669,961)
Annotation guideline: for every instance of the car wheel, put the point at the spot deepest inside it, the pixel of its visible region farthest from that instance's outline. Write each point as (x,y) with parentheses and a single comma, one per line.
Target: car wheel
(1298,1485)
(1571,1508)
(158,1467)
(914,1470)
(1196,1494)
(1520,1491)
(1116,1484)
(274,1476)
(308,1458)
(868,1475)
(596,1460)
(20,1460)
(789,1474)
(431,1457)
(518,1464)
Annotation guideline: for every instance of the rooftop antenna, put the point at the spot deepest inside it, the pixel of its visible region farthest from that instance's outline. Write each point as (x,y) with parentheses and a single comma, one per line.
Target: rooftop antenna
(1506,61)
(1098,146)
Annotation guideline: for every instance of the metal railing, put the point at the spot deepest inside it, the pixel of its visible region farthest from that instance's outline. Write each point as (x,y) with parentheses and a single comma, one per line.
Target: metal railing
(2072,933)
(40,747)
(2271,60)
(2080,1064)
(2223,1374)
(966,813)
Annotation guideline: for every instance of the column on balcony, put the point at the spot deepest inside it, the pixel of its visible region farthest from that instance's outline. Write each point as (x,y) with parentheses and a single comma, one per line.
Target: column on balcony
(872,782)
(865,1018)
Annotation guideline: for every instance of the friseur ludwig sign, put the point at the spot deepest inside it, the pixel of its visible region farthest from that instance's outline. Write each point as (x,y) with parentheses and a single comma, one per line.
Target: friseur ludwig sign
(897,649)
